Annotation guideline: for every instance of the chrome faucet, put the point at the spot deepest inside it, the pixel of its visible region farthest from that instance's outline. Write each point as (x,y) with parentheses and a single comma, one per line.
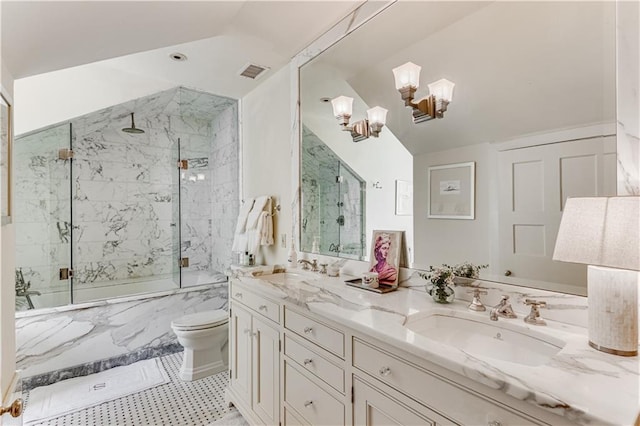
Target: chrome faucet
(502,309)
(306,264)
(534,316)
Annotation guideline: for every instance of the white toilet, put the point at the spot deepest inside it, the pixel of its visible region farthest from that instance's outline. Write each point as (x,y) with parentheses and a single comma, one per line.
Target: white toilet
(204,336)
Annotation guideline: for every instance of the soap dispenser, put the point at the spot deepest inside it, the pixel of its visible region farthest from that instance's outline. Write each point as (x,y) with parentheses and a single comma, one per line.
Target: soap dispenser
(292,258)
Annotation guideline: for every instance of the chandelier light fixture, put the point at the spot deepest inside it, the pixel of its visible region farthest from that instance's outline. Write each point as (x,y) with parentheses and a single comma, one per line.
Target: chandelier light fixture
(363,129)
(407,78)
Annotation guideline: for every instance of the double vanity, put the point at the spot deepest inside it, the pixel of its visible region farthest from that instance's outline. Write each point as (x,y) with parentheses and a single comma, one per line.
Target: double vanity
(307,349)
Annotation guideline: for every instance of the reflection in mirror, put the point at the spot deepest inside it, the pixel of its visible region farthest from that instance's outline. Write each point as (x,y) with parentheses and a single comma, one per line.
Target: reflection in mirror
(332,202)
(533,108)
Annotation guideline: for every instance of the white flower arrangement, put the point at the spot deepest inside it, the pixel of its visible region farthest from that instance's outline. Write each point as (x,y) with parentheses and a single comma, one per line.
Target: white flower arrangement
(468,270)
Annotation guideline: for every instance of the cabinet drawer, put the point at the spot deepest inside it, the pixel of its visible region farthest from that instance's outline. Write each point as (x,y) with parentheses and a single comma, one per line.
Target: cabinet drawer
(320,334)
(459,404)
(291,419)
(310,401)
(263,306)
(315,364)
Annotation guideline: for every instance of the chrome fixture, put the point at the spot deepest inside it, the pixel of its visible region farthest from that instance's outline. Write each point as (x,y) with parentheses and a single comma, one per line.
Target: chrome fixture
(476,304)
(363,129)
(177,56)
(323,268)
(306,264)
(502,309)
(534,316)
(133,128)
(22,288)
(407,78)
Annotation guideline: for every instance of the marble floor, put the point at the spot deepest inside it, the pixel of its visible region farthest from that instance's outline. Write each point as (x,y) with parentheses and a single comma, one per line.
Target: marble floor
(179,403)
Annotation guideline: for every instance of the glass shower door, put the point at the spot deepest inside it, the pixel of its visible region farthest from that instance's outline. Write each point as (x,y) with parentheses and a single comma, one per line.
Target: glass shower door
(351,218)
(43,218)
(124,222)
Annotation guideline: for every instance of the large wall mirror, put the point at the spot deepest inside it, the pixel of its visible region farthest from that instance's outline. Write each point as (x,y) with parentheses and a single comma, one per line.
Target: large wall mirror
(533,109)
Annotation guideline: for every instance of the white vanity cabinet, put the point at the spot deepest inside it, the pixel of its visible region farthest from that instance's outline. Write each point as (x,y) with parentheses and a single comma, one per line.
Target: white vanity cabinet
(456,403)
(293,367)
(314,371)
(254,357)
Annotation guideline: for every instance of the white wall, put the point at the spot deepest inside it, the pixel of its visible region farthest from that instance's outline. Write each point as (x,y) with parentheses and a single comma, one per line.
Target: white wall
(266,155)
(61,95)
(473,235)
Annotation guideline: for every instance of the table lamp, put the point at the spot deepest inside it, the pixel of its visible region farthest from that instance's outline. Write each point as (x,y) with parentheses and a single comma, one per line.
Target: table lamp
(604,233)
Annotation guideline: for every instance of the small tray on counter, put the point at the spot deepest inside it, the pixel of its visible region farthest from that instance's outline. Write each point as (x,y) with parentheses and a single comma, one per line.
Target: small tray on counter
(383,288)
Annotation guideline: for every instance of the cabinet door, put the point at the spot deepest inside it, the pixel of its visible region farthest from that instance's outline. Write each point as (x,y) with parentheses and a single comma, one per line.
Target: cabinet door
(240,359)
(266,384)
(373,408)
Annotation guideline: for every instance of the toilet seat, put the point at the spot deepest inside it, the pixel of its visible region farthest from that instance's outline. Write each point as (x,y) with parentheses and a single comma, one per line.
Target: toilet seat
(200,320)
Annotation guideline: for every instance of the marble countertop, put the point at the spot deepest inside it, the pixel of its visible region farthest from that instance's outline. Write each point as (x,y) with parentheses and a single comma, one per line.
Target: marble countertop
(579,383)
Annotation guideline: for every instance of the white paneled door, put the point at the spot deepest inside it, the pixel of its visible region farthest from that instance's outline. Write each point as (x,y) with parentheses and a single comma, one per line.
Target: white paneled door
(534,184)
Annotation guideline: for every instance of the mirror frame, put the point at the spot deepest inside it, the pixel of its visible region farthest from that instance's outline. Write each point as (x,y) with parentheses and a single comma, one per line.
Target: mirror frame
(352,21)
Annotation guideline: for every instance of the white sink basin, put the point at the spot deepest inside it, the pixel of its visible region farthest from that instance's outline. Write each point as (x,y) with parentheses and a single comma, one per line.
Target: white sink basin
(498,340)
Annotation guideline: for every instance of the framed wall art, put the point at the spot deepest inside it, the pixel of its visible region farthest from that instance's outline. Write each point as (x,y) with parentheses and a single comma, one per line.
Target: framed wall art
(386,249)
(451,193)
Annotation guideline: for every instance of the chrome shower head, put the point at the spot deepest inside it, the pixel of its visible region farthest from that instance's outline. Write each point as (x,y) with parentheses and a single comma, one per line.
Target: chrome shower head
(132,129)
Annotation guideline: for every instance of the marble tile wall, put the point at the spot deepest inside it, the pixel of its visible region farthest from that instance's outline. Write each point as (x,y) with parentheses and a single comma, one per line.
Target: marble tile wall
(61,342)
(225,178)
(125,191)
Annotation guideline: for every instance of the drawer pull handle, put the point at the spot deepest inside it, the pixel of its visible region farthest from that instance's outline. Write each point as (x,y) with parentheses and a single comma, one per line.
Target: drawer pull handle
(254,334)
(385,371)
(239,295)
(308,330)
(308,361)
(308,403)
(262,307)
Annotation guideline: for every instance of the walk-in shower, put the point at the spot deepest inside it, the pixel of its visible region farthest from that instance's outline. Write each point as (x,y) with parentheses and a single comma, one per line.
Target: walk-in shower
(102,211)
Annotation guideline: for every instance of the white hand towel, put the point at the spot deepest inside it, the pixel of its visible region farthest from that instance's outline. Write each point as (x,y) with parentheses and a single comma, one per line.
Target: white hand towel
(255,235)
(266,230)
(245,208)
(239,237)
(254,214)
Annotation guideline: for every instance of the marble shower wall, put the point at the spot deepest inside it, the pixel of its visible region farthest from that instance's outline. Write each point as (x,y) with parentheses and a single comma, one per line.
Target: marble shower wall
(125,191)
(65,342)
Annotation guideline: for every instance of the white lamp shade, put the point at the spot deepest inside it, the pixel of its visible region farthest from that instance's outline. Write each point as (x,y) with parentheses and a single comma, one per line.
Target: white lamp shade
(600,231)
(377,115)
(342,105)
(407,75)
(442,89)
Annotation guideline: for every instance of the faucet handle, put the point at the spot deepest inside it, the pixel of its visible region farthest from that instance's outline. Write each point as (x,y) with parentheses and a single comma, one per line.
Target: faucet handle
(535,303)
(323,268)
(476,304)
(534,316)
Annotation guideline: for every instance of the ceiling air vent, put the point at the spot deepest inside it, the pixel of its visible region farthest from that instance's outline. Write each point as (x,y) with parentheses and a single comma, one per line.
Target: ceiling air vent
(252,71)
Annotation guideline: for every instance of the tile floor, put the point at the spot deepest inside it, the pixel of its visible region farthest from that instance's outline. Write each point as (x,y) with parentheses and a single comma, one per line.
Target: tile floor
(178,403)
